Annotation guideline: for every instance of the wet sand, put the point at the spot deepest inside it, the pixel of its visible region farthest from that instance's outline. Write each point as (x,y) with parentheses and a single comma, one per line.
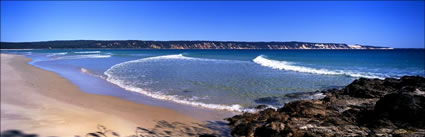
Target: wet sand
(38,101)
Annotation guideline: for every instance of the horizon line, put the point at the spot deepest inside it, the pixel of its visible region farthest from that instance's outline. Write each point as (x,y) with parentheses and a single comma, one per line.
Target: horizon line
(189,40)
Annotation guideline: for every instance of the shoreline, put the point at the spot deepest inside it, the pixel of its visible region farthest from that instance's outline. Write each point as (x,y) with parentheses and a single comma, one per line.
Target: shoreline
(366,107)
(70,112)
(92,83)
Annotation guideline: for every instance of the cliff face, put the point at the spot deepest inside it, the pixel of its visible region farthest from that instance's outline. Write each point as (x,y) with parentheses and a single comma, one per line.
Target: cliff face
(179,45)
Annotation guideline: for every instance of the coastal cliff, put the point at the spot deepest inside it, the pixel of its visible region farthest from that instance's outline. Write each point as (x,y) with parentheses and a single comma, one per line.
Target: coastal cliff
(137,44)
(366,107)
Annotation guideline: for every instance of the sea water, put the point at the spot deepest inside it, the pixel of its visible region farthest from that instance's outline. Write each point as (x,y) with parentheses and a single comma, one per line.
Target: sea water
(234,80)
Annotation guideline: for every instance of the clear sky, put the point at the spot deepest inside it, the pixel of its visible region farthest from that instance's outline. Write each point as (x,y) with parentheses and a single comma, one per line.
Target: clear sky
(391,23)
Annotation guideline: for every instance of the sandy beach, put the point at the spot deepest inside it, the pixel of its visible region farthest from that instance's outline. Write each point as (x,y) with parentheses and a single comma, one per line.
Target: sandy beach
(41,102)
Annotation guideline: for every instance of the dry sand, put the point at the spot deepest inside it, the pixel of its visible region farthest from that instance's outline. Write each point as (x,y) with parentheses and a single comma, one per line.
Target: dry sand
(38,101)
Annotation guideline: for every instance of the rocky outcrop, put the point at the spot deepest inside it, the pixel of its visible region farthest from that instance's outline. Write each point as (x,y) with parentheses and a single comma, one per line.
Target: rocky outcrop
(366,107)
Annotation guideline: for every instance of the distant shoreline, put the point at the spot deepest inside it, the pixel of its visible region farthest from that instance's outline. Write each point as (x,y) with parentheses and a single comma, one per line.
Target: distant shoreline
(140,44)
(205,49)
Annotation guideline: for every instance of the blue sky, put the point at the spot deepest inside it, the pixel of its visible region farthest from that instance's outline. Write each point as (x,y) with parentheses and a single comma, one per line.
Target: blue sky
(391,23)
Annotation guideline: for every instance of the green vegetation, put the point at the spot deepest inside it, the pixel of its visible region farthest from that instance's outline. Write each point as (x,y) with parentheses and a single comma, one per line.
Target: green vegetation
(138,44)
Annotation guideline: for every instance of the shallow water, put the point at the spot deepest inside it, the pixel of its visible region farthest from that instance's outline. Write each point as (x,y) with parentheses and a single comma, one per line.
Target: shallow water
(234,80)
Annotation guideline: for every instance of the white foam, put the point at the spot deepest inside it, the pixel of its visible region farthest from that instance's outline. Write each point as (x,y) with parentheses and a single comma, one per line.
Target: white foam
(85,56)
(27,53)
(57,54)
(110,78)
(174,56)
(85,52)
(173,98)
(84,70)
(284,65)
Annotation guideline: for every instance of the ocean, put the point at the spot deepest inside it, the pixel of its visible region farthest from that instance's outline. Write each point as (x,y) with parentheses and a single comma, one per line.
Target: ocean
(232,80)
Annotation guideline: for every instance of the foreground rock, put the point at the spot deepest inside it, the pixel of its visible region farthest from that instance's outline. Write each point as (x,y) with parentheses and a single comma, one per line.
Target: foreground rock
(366,107)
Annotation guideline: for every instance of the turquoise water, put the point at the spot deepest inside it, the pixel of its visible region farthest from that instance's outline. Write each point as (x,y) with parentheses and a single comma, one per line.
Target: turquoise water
(230,79)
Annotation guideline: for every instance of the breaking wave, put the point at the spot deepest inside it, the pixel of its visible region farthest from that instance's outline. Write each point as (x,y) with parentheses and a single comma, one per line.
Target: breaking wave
(57,54)
(86,52)
(284,65)
(85,56)
(128,86)
(86,71)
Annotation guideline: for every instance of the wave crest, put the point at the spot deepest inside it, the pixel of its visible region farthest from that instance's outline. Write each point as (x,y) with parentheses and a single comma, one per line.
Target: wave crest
(86,52)
(284,65)
(114,80)
(86,71)
(174,98)
(57,54)
(85,56)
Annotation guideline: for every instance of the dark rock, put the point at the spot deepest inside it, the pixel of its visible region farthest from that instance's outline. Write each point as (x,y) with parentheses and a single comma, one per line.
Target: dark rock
(412,81)
(245,129)
(306,108)
(366,107)
(16,133)
(270,129)
(187,91)
(298,94)
(207,135)
(261,107)
(367,88)
(405,108)
(267,101)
